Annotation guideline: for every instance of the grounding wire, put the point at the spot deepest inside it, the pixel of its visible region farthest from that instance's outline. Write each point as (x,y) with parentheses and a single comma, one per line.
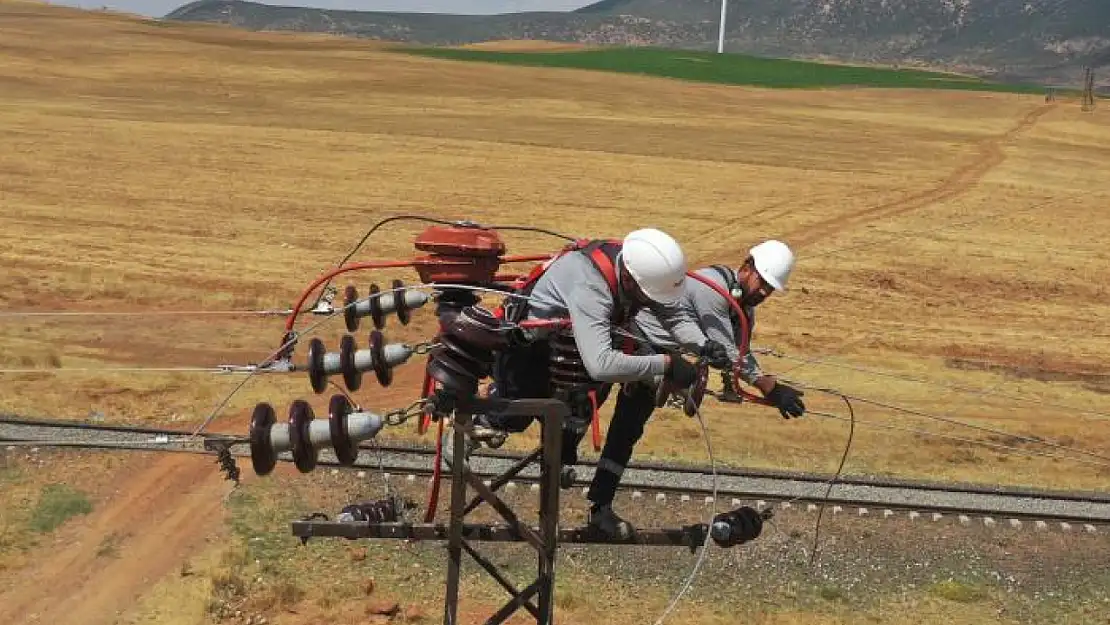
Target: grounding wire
(908,378)
(834,479)
(138,313)
(1007,448)
(116,370)
(708,534)
(534,229)
(948,419)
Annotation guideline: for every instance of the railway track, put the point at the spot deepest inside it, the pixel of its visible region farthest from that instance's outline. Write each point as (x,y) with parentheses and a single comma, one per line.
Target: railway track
(1087,511)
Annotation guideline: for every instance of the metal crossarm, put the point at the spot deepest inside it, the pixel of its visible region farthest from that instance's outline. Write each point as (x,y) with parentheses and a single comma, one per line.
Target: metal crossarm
(537,595)
(692,536)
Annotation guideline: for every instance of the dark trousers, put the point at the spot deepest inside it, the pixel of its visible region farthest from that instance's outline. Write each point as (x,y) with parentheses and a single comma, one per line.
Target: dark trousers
(523,373)
(635,404)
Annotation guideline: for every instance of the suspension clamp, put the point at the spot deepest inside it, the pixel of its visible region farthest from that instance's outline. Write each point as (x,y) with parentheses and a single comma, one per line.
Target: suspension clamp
(275,366)
(324,305)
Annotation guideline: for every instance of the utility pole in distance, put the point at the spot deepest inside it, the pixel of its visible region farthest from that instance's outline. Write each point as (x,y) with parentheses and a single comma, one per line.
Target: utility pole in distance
(1088,89)
(721,35)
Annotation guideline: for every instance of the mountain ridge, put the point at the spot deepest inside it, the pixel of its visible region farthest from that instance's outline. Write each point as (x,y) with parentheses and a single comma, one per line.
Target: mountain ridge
(1046,41)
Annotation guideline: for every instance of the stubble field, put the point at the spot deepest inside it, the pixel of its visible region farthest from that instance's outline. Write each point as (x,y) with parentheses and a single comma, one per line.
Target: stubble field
(951,237)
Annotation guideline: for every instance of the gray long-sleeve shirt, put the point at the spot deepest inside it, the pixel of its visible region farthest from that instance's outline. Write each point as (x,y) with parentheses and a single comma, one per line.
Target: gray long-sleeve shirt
(573,288)
(711,312)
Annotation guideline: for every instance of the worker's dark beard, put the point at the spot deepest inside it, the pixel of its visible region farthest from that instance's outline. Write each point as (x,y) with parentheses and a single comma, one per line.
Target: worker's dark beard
(751,299)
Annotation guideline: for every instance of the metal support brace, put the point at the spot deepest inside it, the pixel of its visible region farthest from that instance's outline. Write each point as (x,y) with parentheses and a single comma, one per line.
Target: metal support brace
(537,598)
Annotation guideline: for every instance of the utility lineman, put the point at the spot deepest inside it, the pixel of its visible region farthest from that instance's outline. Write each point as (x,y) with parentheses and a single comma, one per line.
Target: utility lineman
(766,270)
(600,288)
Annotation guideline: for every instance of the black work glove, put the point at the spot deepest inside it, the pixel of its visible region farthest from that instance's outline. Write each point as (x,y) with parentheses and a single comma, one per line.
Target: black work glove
(682,374)
(715,354)
(787,400)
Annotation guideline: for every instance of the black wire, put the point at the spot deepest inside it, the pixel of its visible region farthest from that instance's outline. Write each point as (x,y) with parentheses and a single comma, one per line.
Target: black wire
(534,229)
(839,469)
(354,404)
(444,222)
(372,230)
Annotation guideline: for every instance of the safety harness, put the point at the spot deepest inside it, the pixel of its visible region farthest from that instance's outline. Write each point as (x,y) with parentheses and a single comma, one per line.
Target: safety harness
(601,252)
(603,255)
(741,328)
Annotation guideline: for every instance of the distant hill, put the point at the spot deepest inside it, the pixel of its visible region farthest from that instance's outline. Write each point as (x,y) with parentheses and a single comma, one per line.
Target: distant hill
(1028,40)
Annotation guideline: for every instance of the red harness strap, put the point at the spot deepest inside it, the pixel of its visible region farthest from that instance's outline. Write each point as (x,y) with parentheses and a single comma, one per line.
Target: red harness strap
(602,253)
(743,341)
(605,265)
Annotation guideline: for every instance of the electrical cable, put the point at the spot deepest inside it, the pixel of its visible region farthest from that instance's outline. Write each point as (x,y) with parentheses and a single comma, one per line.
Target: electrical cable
(117,370)
(534,229)
(956,422)
(138,313)
(424,218)
(955,387)
(344,392)
(94,444)
(840,468)
(836,476)
(959,439)
(374,228)
(708,535)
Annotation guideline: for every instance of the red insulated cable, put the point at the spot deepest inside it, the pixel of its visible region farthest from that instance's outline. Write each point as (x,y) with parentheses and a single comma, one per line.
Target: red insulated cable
(433,491)
(744,338)
(381,264)
(529,324)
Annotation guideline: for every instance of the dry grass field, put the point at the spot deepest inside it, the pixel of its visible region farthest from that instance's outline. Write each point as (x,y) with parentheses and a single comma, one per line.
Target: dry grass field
(152,168)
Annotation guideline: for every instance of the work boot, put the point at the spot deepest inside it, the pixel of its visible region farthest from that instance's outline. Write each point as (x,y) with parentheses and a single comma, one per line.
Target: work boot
(603,519)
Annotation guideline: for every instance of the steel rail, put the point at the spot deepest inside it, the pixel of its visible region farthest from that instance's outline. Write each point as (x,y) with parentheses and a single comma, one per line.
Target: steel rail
(662,467)
(766,495)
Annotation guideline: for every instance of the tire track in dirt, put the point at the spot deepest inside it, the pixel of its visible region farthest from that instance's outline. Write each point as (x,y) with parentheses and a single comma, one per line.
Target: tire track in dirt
(160,513)
(990,155)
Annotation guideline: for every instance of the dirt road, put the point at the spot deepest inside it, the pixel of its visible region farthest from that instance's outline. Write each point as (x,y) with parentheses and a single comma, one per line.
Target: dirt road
(988,155)
(161,511)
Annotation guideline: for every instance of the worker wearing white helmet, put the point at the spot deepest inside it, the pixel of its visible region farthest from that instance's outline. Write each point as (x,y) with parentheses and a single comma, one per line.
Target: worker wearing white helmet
(600,288)
(766,270)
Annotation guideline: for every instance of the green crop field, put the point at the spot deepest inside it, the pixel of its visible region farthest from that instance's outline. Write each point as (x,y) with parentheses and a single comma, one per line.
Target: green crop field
(736,69)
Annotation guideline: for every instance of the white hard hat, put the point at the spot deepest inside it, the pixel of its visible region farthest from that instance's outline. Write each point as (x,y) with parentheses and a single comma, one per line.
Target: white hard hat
(774,261)
(657,264)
